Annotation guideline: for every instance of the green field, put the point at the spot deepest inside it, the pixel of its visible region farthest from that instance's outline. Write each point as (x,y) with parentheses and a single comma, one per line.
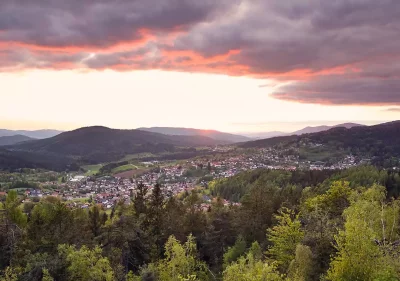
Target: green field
(137,156)
(124,168)
(320,154)
(92,169)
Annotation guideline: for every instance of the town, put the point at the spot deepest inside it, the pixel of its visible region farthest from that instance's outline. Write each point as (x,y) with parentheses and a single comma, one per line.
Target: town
(176,177)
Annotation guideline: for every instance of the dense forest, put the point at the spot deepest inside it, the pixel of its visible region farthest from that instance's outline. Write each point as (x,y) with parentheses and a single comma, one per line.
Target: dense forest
(300,225)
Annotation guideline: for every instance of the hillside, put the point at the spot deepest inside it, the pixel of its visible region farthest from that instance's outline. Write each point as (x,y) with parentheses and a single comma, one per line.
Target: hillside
(379,141)
(99,144)
(316,129)
(14,160)
(306,130)
(266,135)
(10,140)
(37,134)
(217,135)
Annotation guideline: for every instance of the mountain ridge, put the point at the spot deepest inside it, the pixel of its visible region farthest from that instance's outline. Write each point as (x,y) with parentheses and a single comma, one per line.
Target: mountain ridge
(35,134)
(11,140)
(378,142)
(101,144)
(316,129)
(182,131)
(305,130)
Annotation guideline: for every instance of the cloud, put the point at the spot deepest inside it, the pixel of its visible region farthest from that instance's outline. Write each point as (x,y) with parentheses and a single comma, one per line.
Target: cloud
(329,52)
(342,90)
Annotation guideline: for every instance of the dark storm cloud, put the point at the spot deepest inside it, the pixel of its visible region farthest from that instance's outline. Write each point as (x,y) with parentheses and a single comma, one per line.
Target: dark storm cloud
(97,23)
(279,36)
(342,90)
(331,52)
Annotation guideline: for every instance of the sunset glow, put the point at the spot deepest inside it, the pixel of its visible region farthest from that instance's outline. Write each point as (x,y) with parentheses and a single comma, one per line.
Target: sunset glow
(215,65)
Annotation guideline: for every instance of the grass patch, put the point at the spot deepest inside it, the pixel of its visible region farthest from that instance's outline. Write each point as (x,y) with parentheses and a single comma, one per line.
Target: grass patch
(92,169)
(124,168)
(323,154)
(137,156)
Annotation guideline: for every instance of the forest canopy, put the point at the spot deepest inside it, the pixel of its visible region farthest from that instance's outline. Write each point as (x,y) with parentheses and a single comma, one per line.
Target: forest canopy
(300,225)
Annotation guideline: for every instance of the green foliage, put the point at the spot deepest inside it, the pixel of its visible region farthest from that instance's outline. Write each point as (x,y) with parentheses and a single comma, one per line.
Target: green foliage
(14,213)
(97,218)
(236,187)
(23,184)
(47,276)
(85,264)
(248,268)
(301,267)
(336,199)
(363,246)
(10,274)
(284,238)
(256,251)
(234,252)
(347,232)
(181,262)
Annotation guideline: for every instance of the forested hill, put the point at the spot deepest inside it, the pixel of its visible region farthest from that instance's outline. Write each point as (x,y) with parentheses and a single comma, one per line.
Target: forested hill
(197,132)
(10,140)
(104,144)
(14,160)
(380,140)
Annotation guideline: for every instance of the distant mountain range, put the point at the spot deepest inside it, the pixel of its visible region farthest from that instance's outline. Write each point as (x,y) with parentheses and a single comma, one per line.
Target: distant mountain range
(38,134)
(217,135)
(306,130)
(101,144)
(98,144)
(11,140)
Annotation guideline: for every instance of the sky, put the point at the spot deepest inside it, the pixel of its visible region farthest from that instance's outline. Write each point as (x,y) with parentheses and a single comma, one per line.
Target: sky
(230,65)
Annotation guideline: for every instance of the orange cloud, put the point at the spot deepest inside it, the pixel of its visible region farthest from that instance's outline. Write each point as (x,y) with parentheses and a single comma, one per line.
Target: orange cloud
(145,36)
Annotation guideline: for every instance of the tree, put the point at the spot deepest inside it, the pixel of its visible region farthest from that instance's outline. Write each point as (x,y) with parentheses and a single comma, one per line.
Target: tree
(258,207)
(12,223)
(301,267)
(96,219)
(219,234)
(255,251)
(321,216)
(235,252)
(13,212)
(195,220)
(249,269)
(181,262)
(155,215)
(52,223)
(85,264)
(46,275)
(365,251)
(284,238)
(139,202)
(10,274)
